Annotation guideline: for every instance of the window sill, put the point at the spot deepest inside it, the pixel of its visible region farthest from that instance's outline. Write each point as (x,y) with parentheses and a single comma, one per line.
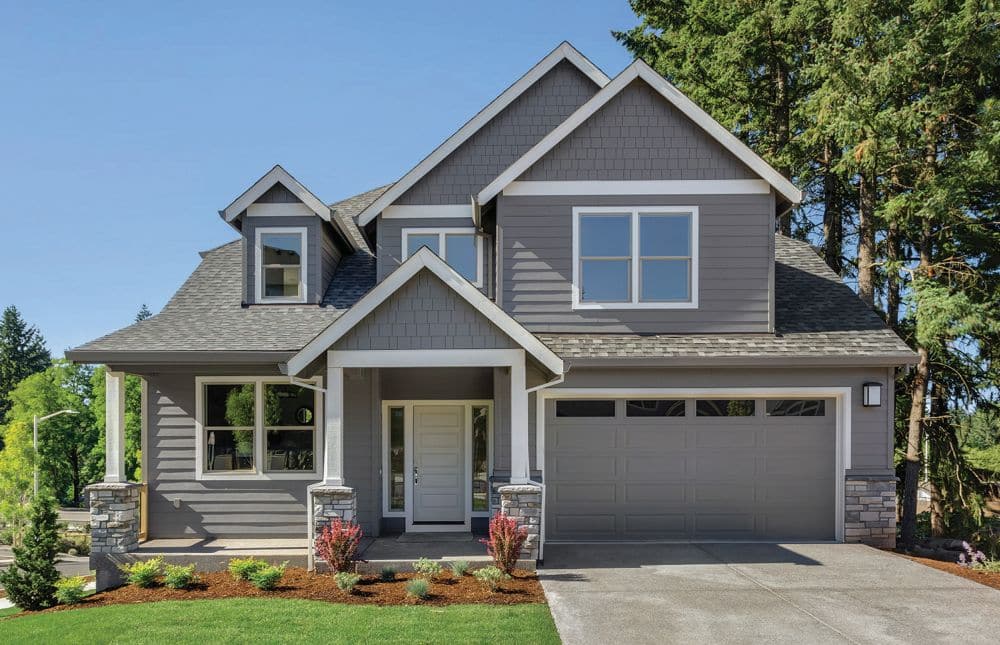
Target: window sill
(634,305)
(235,477)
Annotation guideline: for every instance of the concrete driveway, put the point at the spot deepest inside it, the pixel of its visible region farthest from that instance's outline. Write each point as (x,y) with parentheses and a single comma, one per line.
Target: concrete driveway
(756,593)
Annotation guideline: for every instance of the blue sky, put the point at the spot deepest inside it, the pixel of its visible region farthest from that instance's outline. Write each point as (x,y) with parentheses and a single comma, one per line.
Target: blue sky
(125,127)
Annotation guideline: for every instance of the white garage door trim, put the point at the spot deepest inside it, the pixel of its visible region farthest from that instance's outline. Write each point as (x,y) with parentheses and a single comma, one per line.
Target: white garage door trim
(841,396)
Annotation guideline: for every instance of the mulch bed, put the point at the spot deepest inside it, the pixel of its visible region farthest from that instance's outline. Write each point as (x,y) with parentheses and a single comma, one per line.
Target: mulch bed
(982,577)
(523,587)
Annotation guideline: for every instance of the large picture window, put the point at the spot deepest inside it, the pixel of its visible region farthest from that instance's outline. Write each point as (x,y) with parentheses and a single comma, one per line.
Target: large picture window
(255,427)
(461,248)
(635,257)
(281,264)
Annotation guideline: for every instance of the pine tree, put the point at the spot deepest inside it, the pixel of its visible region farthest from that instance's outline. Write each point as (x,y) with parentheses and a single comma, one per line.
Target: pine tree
(144,313)
(22,353)
(30,580)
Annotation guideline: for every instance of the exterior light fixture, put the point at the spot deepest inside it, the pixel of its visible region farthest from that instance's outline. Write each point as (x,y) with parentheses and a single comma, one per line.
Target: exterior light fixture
(872,395)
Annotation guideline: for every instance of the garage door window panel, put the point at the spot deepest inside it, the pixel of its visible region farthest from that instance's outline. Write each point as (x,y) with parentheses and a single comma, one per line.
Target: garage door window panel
(725,407)
(795,408)
(584,408)
(655,408)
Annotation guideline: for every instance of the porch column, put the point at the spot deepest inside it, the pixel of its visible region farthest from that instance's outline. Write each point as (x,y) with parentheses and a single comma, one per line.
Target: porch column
(333,447)
(114,427)
(519,469)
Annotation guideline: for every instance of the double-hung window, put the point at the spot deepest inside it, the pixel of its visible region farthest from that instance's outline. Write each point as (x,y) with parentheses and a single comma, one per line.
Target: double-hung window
(281,264)
(461,248)
(635,257)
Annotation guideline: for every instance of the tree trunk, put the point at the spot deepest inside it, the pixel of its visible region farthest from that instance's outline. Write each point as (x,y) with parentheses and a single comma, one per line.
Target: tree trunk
(782,112)
(892,299)
(866,240)
(833,215)
(918,395)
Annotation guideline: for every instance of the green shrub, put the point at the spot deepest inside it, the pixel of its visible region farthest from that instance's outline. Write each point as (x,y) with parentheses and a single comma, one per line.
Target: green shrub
(244,568)
(346,581)
(491,577)
(459,568)
(30,582)
(144,573)
(69,591)
(429,569)
(990,566)
(387,574)
(267,579)
(176,576)
(74,544)
(418,588)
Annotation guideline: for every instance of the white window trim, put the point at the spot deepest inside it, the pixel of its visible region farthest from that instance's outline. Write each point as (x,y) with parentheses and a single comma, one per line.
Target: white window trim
(635,212)
(407,513)
(441,233)
(259,437)
(259,263)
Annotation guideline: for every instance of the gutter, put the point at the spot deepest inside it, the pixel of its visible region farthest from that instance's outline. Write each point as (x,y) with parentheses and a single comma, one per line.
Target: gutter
(539,457)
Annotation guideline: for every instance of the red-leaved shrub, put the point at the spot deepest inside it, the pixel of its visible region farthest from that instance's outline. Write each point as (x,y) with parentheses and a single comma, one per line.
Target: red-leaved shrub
(504,543)
(338,544)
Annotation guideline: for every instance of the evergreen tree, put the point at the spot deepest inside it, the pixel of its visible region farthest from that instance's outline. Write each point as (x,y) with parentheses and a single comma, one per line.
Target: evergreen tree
(30,580)
(144,313)
(22,353)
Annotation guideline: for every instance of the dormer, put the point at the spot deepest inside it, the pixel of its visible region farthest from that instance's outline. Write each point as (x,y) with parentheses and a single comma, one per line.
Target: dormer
(292,241)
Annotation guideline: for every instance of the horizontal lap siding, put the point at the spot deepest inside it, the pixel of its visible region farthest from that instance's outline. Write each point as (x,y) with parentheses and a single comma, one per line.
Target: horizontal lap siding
(734,265)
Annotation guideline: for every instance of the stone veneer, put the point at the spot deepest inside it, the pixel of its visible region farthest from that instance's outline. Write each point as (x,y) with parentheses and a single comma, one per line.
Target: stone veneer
(114,529)
(523,502)
(870,511)
(328,502)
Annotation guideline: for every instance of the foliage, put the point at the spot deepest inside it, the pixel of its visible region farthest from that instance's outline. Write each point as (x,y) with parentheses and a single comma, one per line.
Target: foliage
(987,459)
(988,566)
(133,424)
(144,573)
(244,568)
(346,581)
(74,543)
(70,591)
(491,577)
(30,580)
(178,576)
(143,314)
(16,468)
(268,577)
(338,544)
(427,568)
(387,574)
(22,353)
(505,541)
(970,557)
(418,588)
(459,568)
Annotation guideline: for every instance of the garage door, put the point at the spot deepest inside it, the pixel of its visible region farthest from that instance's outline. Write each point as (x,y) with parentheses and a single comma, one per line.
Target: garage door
(690,469)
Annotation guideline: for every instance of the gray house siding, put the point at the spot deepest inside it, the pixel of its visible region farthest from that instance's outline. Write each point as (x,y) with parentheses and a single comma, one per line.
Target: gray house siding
(390,244)
(734,268)
(504,138)
(637,135)
(425,314)
(314,252)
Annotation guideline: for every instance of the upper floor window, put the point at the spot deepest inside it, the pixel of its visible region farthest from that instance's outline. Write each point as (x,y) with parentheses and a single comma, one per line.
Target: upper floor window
(461,248)
(635,257)
(281,264)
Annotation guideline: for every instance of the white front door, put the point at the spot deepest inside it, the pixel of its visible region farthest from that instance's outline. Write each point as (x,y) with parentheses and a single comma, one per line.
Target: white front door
(439,480)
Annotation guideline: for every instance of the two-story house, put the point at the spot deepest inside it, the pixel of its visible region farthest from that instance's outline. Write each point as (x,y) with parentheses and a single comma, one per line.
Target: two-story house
(575,309)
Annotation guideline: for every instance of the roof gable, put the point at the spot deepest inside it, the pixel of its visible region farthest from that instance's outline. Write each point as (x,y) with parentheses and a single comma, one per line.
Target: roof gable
(641,71)
(564,52)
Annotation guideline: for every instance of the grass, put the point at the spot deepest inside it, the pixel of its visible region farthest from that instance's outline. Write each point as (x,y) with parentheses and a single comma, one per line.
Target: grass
(278,620)
(9,611)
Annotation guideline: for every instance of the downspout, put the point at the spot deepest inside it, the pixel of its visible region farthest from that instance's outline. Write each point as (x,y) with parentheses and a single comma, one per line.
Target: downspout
(541,458)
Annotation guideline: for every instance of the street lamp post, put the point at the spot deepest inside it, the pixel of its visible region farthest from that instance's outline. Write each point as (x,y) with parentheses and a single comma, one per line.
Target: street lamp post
(35,443)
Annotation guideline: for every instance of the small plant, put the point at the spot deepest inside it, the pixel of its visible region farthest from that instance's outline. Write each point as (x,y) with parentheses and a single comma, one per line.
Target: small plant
(429,569)
(176,576)
(988,566)
(418,588)
(143,574)
(972,556)
(267,578)
(387,574)
(69,591)
(244,568)
(491,577)
(30,581)
(338,544)
(505,542)
(459,568)
(346,581)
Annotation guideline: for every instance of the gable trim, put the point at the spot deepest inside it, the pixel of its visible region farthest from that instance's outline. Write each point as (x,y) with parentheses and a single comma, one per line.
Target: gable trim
(640,69)
(666,187)
(423,259)
(564,51)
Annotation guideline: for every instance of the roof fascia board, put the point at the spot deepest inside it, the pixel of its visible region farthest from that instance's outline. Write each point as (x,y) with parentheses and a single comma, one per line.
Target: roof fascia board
(120,357)
(883,360)
(564,51)
(424,259)
(639,69)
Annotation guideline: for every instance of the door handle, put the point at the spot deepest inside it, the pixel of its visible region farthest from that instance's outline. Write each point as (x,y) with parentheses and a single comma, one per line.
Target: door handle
(416,476)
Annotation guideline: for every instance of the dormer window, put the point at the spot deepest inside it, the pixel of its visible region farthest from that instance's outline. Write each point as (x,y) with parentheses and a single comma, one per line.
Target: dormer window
(281,265)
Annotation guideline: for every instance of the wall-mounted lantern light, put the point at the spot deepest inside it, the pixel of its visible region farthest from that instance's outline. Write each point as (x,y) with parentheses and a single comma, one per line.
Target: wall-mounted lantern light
(872,395)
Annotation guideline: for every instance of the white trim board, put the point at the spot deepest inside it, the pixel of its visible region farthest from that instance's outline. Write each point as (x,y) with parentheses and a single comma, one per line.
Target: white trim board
(665,187)
(842,404)
(638,70)
(258,248)
(295,209)
(429,211)
(442,234)
(564,51)
(424,259)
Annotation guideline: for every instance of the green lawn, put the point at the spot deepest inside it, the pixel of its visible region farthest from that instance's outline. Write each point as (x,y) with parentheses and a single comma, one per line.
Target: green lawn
(278,620)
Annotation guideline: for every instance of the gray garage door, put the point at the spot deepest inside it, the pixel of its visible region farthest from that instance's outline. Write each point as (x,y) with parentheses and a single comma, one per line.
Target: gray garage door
(690,469)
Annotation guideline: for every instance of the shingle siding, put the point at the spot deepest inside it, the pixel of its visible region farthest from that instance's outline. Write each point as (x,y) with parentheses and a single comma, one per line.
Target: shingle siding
(316,285)
(504,138)
(637,135)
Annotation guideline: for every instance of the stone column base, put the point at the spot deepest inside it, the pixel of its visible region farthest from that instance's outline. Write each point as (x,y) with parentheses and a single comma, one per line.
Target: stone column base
(523,503)
(870,511)
(328,502)
(114,528)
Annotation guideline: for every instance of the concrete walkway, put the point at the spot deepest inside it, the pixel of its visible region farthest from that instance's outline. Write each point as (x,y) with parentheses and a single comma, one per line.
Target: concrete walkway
(757,593)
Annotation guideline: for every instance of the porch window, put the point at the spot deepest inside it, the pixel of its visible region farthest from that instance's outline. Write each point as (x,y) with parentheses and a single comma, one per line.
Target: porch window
(290,426)
(397,459)
(461,248)
(281,266)
(230,413)
(480,458)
